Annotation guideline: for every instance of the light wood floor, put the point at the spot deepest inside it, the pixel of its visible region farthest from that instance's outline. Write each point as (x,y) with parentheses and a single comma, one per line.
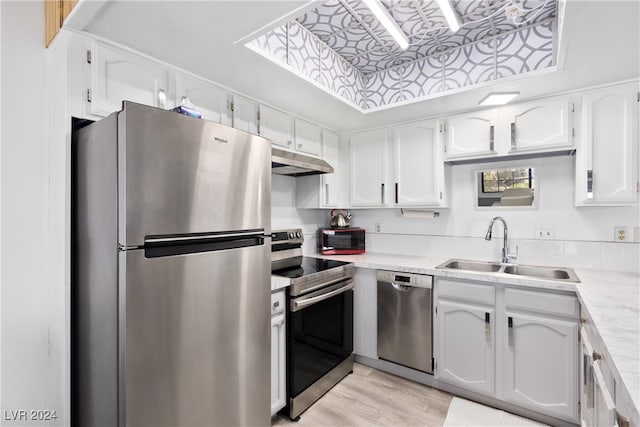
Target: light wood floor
(369,397)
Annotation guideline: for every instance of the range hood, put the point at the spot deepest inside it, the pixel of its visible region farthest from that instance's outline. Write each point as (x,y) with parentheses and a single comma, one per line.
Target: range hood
(295,164)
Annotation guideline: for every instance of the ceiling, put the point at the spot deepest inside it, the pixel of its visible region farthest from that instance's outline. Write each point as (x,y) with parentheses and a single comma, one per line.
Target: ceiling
(351,30)
(341,47)
(601,39)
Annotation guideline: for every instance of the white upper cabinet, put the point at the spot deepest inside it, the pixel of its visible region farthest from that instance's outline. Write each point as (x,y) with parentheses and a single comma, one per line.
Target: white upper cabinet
(368,154)
(471,134)
(212,102)
(308,137)
(542,126)
(335,185)
(417,164)
(328,190)
(276,126)
(245,114)
(117,76)
(539,125)
(606,161)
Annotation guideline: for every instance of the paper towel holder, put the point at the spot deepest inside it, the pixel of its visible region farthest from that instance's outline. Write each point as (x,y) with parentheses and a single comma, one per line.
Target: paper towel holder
(419,213)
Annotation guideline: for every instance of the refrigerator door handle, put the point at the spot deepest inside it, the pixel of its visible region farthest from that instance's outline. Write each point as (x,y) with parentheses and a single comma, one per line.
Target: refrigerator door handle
(172,240)
(182,245)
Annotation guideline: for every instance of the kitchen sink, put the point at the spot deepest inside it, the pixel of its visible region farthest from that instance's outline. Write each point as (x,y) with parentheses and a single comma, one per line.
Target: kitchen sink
(460,264)
(549,273)
(552,273)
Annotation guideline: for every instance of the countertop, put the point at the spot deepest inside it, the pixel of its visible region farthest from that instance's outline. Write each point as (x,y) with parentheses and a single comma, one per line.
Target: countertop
(612,300)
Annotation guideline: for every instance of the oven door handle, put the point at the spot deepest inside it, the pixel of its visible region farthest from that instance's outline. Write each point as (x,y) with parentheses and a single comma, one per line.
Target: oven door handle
(301,303)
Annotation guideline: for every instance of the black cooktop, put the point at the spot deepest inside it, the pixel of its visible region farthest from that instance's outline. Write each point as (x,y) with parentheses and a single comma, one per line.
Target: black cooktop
(309,266)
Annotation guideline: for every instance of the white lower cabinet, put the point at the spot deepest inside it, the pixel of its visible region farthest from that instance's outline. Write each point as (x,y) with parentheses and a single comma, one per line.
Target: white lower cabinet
(278,351)
(602,402)
(516,345)
(540,364)
(465,346)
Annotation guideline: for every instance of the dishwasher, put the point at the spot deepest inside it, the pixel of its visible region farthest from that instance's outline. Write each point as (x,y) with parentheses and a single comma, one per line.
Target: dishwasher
(405,321)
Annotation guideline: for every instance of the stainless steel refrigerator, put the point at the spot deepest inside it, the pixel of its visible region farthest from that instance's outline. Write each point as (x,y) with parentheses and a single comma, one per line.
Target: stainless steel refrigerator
(170,272)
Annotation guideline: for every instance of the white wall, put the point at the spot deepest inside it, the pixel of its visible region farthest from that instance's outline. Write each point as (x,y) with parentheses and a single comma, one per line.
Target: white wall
(24,173)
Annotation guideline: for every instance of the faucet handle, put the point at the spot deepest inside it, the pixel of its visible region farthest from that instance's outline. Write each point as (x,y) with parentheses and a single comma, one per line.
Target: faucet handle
(512,257)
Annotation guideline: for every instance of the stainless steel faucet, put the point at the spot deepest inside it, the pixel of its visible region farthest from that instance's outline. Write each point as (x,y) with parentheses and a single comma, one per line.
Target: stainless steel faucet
(506,256)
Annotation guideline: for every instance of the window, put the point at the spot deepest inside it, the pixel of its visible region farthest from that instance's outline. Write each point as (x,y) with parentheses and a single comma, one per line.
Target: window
(499,180)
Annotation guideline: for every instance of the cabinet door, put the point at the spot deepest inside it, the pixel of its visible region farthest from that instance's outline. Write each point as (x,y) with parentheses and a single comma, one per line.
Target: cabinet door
(418,168)
(540,125)
(367,154)
(278,337)
(308,137)
(471,134)
(465,354)
(365,313)
(117,76)
(586,380)
(609,172)
(541,364)
(335,186)
(212,102)
(245,114)
(276,126)
(604,410)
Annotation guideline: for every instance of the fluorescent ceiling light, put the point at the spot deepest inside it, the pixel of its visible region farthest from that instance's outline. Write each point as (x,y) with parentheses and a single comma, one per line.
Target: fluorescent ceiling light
(449,15)
(388,22)
(498,98)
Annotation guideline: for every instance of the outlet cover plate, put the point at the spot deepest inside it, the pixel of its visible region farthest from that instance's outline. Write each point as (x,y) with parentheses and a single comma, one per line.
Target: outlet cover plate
(620,233)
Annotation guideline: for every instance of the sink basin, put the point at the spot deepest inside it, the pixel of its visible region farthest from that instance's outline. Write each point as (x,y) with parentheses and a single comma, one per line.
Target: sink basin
(461,264)
(549,273)
(542,272)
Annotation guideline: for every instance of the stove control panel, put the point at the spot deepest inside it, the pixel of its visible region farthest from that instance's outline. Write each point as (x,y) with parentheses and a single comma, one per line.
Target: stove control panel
(287,237)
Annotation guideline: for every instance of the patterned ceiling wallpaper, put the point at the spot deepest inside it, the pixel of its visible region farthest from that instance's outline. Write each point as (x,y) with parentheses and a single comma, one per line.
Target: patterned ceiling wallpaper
(342,48)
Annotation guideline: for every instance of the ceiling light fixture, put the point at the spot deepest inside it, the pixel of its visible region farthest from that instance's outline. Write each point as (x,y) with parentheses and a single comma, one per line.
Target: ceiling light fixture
(392,27)
(449,14)
(498,98)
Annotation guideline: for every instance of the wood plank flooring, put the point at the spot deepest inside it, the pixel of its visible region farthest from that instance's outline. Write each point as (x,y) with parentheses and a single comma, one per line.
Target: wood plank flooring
(369,397)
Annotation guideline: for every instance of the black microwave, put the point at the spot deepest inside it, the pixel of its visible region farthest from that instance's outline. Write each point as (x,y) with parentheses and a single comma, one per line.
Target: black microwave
(341,241)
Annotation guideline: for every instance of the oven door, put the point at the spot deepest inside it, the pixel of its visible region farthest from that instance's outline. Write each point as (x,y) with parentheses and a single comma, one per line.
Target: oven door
(320,334)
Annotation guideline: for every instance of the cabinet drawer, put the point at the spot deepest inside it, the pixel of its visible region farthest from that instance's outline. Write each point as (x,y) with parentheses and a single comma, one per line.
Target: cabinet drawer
(466,291)
(542,302)
(277,302)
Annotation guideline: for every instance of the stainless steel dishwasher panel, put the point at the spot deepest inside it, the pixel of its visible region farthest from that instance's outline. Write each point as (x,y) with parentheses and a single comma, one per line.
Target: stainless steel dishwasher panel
(405,326)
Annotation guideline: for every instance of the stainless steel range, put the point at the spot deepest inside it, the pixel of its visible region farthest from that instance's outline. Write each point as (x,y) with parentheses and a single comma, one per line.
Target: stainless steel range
(319,320)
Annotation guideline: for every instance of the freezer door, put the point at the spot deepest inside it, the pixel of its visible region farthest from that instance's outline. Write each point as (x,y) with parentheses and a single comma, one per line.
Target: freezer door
(181,175)
(196,344)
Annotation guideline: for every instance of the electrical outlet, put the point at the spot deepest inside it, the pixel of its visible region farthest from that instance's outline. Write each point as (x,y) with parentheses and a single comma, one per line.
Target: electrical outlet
(636,234)
(620,233)
(378,227)
(546,233)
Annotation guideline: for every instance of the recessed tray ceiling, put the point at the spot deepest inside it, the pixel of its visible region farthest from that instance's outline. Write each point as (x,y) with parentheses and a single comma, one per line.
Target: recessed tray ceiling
(342,48)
